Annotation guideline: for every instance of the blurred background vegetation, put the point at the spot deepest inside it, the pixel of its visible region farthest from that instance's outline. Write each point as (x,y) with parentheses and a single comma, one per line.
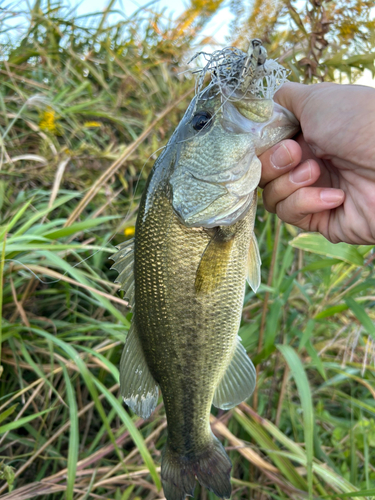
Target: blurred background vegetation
(86,102)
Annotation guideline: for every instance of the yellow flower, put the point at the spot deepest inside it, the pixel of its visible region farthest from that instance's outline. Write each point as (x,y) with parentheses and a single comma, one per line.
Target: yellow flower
(92,124)
(48,121)
(129,231)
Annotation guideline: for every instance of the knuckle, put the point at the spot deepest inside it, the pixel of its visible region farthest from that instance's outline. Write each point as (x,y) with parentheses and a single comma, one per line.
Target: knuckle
(290,209)
(270,207)
(299,198)
(282,212)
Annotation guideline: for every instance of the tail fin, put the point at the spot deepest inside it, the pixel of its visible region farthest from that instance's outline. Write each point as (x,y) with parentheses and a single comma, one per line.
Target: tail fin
(211,467)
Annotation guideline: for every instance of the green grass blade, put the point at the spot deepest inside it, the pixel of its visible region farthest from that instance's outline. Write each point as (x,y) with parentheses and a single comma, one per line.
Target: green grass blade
(285,466)
(360,313)
(304,392)
(5,414)
(354,494)
(22,421)
(41,213)
(15,219)
(73,435)
(87,376)
(133,431)
(78,226)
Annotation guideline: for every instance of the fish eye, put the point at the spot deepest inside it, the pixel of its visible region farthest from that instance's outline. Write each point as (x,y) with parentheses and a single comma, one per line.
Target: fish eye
(200,120)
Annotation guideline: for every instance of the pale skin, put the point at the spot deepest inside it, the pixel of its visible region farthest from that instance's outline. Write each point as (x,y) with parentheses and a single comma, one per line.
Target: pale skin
(324,180)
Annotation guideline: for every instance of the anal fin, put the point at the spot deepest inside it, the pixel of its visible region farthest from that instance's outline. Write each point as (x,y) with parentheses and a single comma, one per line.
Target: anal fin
(238,382)
(137,386)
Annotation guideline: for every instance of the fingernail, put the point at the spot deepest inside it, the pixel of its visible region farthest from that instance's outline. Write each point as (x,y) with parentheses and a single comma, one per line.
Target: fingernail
(301,174)
(331,195)
(281,157)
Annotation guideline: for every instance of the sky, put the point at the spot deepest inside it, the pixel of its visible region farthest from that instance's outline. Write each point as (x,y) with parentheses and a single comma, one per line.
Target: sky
(218,27)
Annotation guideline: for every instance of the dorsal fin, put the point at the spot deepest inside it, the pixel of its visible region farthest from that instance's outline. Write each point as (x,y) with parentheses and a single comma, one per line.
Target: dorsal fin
(137,386)
(124,264)
(238,382)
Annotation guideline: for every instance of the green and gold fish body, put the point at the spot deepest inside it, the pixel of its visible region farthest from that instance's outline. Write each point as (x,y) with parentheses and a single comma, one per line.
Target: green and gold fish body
(190,285)
(185,276)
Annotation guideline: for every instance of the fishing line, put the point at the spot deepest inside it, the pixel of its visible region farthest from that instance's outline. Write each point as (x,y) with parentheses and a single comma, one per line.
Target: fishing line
(226,99)
(32,272)
(132,198)
(81,261)
(228,68)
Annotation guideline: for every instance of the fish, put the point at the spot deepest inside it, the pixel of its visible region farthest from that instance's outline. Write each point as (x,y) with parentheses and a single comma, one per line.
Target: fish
(184,274)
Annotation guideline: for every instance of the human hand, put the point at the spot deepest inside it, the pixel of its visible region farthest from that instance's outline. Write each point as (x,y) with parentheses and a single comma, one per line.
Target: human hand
(324,180)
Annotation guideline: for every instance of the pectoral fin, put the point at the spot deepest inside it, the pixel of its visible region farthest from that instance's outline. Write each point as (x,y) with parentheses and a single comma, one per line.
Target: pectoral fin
(214,263)
(238,382)
(124,264)
(138,387)
(253,264)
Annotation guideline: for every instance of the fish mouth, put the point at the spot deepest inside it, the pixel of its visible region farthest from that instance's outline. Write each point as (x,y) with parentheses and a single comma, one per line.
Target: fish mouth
(242,117)
(282,123)
(256,110)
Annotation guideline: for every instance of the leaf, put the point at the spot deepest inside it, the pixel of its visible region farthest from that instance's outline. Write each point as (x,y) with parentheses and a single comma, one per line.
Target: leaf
(262,438)
(272,324)
(316,243)
(133,431)
(298,455)
(352,494)
(362,316)
(22,421)
(306,334)
(304,392)
(7,412)
(316,361)
(77,227)
(86,375)
(330,311)
(73,435)
(320,264)
(41,213)
(52,246)
(6,228)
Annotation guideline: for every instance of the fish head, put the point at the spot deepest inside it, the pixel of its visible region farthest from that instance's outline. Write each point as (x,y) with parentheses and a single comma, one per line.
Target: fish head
(216,169)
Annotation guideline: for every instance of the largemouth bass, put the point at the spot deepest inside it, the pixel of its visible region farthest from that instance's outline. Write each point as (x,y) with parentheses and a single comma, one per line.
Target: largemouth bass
(185,272)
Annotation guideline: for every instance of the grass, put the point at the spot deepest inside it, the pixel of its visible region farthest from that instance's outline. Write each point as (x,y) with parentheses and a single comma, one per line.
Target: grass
(85,104)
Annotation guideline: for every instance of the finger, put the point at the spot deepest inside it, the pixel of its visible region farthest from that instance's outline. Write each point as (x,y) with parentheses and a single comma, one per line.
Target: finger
(298,207)
(292,96)
(283,157)
(284,186)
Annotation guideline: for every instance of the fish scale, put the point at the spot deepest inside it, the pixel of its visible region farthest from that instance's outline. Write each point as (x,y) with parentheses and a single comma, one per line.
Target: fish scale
(183,341)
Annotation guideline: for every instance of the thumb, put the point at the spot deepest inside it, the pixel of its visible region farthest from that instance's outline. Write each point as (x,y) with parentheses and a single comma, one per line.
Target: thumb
(292,96)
